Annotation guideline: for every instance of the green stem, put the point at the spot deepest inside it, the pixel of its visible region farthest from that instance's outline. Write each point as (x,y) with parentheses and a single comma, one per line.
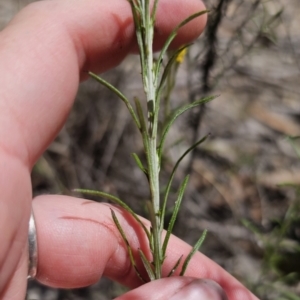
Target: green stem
(152,157)
(150,85)
(153,165)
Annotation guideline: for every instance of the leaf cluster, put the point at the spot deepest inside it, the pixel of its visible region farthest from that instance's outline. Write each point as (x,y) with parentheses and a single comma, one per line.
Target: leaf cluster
(154,78)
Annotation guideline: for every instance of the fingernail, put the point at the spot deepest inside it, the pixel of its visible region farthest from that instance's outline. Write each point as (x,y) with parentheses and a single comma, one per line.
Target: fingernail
(200,289)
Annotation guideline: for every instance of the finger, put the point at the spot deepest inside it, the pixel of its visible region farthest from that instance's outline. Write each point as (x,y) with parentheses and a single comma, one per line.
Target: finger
(78,243)
(47,46)
(15,287)
(15,206)
(177,288)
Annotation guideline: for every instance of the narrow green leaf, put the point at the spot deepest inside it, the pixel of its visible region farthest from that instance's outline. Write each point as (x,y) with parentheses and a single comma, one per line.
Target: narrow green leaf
(289,295)
(119,94)
(153,13)
(163,211)
(173,35)
(151,212)
(139,163)
(143,128)
(175,266)
(193,251)
(131,257)
(117,201)
(175,115)
(140,114)
(275,17)
(137,8)
(288,184)
(292,140)
(151,241)
(174,214)
(168,68)
(147,265)
(251,227)
(151,116)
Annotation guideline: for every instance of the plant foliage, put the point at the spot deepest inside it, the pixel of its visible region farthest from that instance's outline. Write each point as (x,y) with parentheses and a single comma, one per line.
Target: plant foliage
(154,77)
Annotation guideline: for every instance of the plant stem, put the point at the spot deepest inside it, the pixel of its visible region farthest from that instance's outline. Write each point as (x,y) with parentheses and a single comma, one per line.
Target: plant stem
(153,165)
(153,82)
(154,76)
(151,152)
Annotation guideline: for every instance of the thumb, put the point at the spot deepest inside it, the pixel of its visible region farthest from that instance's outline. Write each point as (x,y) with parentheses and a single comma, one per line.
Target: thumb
(177,288)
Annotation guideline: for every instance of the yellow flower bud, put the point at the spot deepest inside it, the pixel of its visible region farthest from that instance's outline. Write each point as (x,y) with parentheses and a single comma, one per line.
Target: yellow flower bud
(181,55)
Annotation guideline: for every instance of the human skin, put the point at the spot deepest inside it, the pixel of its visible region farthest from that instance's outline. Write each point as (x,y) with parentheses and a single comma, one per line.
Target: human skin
(45,51)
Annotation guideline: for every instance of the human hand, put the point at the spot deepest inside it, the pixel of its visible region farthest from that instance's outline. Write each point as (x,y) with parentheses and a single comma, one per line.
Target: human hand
(44,52)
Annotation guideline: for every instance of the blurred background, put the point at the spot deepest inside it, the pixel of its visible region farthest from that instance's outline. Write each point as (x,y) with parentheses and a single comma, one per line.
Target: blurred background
(244,185)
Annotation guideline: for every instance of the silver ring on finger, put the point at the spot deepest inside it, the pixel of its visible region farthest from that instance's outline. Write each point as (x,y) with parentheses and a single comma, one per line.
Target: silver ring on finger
(32,248)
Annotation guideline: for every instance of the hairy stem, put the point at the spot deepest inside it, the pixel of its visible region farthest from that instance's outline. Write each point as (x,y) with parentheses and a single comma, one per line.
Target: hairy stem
(151,152)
